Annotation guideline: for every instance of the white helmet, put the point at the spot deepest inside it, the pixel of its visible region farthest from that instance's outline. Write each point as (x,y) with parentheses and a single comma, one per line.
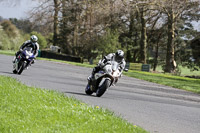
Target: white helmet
(34,38)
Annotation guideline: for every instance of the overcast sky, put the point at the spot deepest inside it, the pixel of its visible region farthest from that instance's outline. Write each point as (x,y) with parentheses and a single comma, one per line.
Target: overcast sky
(16,8)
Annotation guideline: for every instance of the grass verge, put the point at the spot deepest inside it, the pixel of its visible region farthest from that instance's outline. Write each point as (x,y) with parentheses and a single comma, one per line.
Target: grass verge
(179,82)
(184,71)
(7,52)
(29,109)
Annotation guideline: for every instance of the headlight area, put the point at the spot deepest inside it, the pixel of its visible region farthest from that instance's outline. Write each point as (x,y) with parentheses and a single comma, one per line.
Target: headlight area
(115,74)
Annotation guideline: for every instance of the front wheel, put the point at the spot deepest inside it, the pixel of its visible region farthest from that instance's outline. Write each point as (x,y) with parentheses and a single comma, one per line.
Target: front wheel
(87,90)
(21,67)
(15,71)
(103,88)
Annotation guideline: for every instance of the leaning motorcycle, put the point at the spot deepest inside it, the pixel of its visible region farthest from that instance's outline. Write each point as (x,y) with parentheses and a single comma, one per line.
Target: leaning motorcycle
(23,60)
(104,78)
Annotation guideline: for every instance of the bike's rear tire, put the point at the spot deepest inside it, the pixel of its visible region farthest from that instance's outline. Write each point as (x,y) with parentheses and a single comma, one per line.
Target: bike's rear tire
(102,89)
(88,91)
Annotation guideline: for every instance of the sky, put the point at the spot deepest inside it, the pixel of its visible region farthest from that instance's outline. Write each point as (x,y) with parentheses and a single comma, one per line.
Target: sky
(16,8)
(19,9)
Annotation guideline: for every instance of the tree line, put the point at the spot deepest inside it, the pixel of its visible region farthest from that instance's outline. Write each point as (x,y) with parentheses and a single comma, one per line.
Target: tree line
(158,32)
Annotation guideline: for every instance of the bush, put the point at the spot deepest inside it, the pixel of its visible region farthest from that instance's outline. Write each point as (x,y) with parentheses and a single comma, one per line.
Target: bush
(10,37)
(9,28)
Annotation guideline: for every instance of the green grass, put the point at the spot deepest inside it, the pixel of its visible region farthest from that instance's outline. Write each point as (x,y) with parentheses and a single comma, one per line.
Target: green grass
(7,52)
(184,83)
(29,109)
(184,71)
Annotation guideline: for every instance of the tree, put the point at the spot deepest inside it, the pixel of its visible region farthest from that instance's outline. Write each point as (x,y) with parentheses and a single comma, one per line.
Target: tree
(156,40)
(195,45)
(23,24)
(66,27)
(110,42)
(174,10)
(42,16)
(55,24)
(130,36)
(143,41)
(79,26)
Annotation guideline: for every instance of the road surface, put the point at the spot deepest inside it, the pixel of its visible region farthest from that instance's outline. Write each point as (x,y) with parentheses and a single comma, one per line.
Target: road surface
(156,108)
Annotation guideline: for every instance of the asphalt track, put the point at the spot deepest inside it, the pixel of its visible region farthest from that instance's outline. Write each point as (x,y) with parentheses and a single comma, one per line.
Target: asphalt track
(156,108)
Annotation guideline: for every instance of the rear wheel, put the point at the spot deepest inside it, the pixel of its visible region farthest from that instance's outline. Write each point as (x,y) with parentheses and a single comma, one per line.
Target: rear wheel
(87,90)
(103,88)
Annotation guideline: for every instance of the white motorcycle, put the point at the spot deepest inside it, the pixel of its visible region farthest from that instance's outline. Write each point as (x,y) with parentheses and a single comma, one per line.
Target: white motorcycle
(107,76)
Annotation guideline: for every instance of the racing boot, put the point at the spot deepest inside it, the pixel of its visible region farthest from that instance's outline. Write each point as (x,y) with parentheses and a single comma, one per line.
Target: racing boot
(91,77)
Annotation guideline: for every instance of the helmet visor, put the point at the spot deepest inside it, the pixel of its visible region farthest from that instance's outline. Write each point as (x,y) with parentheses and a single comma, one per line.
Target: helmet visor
(119,58)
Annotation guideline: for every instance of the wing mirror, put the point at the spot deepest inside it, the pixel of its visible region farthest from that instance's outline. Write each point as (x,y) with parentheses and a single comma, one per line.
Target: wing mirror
(126,70)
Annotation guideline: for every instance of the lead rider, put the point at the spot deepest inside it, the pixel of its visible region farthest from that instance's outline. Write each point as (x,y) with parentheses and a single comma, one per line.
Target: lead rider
(118,57)
(32,43)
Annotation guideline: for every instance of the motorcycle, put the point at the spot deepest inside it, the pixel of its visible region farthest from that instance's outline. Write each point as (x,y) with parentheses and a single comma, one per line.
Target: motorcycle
(103,79)
(23,60)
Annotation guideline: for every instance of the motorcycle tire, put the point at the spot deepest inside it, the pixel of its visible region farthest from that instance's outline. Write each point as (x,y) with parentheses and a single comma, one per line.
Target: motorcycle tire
(88,91)
(103,88)
(14,71)
(21,67)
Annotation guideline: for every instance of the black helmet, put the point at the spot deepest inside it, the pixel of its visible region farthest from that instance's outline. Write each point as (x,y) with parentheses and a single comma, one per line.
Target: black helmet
(119,55)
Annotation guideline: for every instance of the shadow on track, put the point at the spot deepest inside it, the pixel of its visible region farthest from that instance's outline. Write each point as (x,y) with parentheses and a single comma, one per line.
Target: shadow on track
(6,72)
(76,93)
